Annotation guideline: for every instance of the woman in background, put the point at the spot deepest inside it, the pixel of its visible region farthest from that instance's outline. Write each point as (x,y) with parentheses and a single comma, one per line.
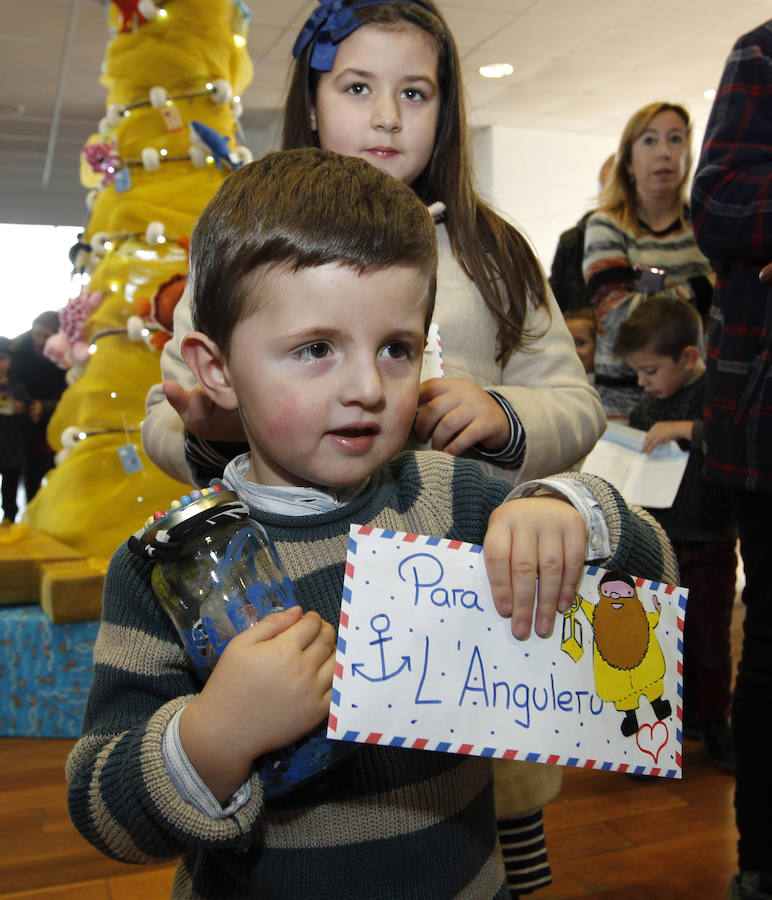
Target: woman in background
(640,241)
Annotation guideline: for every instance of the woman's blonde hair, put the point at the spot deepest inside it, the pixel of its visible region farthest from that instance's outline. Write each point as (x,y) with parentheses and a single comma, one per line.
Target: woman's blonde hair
(619,195)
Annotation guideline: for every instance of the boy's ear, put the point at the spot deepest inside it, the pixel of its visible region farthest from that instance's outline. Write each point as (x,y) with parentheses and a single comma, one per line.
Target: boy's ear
(690,356)
(207,363)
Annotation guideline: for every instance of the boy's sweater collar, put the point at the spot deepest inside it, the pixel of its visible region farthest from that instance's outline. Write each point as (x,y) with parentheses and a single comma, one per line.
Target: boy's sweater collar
(285,501)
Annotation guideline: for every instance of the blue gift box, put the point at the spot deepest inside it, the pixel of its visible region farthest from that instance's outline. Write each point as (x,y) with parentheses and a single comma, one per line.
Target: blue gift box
(45,673)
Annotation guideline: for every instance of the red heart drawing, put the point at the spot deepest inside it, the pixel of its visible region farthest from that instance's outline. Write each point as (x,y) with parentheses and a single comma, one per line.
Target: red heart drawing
(651,743)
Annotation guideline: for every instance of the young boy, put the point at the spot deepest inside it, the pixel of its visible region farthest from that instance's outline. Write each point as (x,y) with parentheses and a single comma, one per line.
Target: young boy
(584,330)
(312,289)
(660,340)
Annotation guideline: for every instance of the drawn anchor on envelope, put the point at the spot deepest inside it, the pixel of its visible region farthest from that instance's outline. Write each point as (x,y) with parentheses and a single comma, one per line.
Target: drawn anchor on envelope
(380,624)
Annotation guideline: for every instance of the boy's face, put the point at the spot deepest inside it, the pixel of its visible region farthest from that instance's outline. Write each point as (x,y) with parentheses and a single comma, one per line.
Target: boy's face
(660,376)
(326,372)
(583,333)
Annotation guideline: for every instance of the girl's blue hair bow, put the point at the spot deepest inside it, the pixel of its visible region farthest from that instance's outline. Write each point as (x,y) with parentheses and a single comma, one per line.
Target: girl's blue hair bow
(326,27)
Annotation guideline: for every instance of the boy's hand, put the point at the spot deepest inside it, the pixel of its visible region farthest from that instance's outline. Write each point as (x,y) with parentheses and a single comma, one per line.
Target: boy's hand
(662,432)
(271,686)
(457,414)
(201,416)
(542,536)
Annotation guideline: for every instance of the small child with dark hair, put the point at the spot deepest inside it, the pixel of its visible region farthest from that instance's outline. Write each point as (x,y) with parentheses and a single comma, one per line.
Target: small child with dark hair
(13,406)
(312,287)
(583,325)
(661,341)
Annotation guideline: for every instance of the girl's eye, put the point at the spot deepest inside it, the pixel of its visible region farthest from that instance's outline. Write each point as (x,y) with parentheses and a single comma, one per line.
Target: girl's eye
(677,138)
(317,350)
(357,88)
(648,141)
(413,94)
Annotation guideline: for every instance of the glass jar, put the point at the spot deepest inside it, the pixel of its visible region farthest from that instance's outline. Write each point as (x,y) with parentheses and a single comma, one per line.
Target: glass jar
(216,573)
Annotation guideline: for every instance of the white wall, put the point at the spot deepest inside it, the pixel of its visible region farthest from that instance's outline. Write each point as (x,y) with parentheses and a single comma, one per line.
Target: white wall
(542,181)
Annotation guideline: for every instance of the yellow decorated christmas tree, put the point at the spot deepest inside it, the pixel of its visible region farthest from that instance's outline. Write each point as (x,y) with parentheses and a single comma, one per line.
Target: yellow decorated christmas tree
(151,172)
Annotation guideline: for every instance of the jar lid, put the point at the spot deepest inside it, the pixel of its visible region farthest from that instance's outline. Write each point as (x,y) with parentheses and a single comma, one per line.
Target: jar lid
(194,513)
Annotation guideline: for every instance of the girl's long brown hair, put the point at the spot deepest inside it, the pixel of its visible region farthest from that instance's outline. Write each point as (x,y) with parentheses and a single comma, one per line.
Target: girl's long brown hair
(491,251)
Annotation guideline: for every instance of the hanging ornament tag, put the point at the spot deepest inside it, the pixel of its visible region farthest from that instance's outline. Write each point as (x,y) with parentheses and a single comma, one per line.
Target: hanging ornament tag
(432,365)
(122,180)
(129,458)
(172,118)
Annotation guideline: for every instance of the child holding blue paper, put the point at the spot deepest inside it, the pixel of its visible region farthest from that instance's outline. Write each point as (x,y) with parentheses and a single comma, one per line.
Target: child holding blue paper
(661,341)
(313,279)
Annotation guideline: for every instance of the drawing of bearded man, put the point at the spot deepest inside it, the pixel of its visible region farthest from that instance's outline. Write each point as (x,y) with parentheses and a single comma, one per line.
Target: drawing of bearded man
(627,659)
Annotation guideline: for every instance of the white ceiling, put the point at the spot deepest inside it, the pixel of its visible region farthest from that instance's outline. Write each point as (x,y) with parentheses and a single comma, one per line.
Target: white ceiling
(580,66)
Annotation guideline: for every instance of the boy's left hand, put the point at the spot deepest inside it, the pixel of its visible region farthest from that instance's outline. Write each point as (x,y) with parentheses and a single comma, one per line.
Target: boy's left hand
(662,432)
(457,414)
(530,537)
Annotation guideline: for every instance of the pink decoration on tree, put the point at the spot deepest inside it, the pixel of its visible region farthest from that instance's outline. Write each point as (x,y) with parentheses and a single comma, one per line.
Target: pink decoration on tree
(67,347)
(103,156)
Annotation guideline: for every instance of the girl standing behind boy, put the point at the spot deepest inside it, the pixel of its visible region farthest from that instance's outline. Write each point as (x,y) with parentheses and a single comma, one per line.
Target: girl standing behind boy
(514,392)
(382,81)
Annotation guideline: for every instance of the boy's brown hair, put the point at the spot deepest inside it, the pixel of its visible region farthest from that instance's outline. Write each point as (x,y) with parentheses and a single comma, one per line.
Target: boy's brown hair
(662,324)
(301,208)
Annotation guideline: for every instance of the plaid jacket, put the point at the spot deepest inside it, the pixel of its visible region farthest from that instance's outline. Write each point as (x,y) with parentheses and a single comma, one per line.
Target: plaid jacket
(732,219)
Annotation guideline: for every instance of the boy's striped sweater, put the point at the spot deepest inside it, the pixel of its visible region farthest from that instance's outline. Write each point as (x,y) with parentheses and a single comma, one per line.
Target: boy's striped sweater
(388,822)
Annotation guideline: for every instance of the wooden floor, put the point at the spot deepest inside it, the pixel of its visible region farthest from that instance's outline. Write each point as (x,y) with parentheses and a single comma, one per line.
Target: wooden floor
(608,835)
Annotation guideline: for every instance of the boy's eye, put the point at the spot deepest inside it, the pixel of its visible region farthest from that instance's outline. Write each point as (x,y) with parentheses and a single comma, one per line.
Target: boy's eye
(317,350)
(397,350)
